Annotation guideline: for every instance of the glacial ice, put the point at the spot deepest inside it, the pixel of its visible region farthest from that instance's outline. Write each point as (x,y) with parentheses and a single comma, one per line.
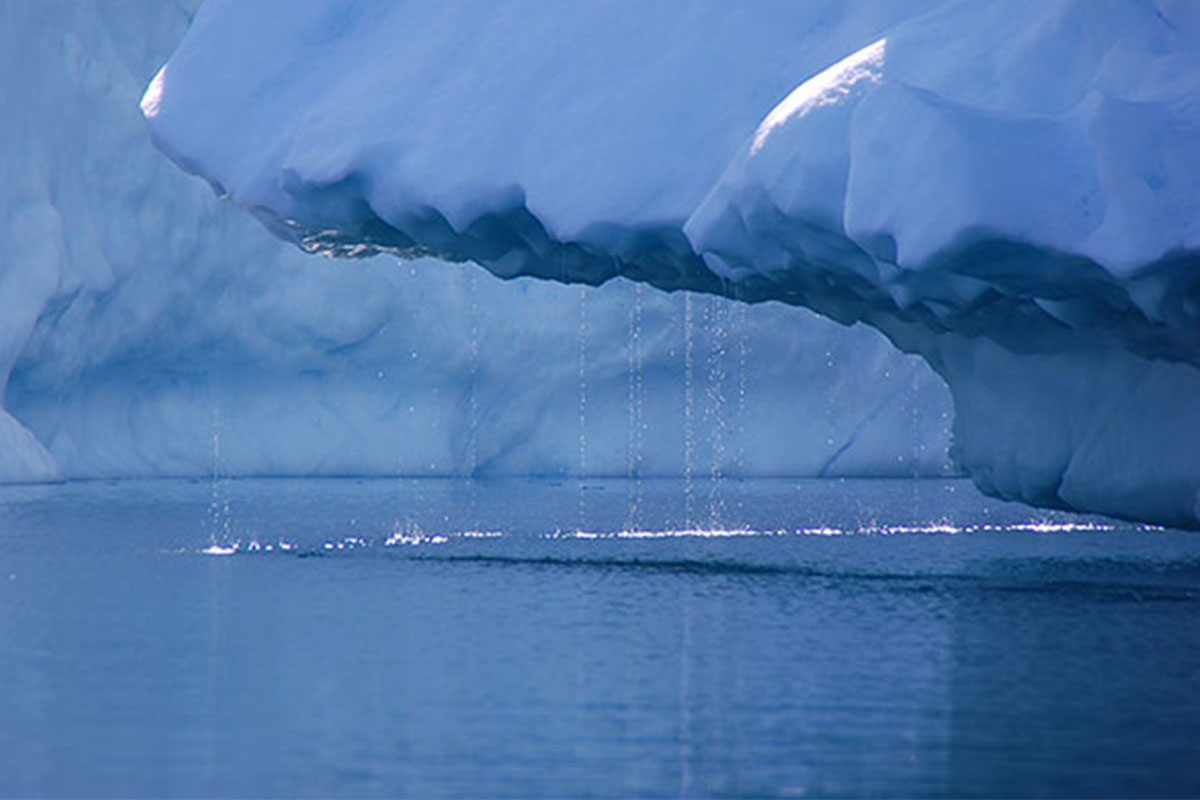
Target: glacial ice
(1010,190)
(149,329)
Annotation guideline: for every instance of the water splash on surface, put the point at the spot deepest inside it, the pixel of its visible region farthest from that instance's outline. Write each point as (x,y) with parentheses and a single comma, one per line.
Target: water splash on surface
(409,535)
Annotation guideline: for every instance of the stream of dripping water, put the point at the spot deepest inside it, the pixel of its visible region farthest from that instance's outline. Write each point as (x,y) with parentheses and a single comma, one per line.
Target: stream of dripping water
(219,515)
(715,407)
(407,522)
(583,398)
(918,446)
(743,354)
(689,401)
(473,388)
(636,421)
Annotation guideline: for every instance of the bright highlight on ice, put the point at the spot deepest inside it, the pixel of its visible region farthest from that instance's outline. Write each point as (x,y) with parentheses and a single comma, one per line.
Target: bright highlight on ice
(152,98)
(831,87)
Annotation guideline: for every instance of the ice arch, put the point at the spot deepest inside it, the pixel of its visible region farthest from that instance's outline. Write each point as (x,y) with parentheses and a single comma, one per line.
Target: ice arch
(1010,190)
(148,329)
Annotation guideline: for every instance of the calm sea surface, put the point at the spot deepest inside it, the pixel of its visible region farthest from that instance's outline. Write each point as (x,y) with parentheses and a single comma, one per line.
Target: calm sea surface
(533,638)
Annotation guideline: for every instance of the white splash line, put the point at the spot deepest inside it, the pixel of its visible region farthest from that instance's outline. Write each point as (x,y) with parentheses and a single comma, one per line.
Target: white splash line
(413,536)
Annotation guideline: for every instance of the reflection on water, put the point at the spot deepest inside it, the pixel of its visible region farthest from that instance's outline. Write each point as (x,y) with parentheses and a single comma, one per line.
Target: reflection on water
(447,638)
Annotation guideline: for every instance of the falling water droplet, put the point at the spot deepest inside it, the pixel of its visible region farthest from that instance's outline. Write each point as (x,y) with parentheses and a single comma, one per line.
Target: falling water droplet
(831,399)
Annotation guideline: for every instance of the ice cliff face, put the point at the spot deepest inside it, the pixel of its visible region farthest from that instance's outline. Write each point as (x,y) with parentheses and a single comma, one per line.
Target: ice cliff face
(1011,190)
(147,328)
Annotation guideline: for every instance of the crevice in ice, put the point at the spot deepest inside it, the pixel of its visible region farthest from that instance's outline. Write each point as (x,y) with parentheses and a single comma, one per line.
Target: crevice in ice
(852,439)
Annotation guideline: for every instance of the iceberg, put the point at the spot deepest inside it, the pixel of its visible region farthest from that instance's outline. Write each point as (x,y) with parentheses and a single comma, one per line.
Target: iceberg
(1009,191)
(149,329)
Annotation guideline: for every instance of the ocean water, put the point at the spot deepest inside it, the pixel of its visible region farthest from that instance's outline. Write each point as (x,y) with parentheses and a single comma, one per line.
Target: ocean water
(548,639)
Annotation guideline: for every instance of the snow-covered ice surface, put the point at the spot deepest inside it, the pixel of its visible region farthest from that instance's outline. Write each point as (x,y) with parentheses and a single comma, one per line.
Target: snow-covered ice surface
(149,329)
(1011,190)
